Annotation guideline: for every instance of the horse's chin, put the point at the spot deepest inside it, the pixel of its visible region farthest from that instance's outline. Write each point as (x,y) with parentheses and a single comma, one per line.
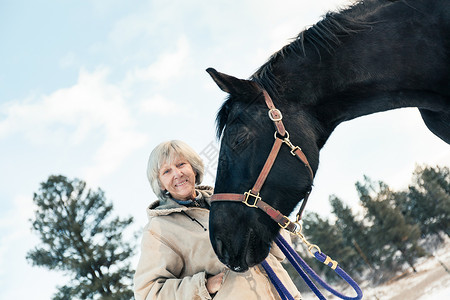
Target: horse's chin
(244,266)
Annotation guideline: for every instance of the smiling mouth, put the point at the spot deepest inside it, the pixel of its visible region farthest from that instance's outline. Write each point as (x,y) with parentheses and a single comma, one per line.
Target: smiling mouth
(181,183)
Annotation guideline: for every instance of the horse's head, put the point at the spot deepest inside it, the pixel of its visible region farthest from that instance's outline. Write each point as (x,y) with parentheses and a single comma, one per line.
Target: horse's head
(241,235)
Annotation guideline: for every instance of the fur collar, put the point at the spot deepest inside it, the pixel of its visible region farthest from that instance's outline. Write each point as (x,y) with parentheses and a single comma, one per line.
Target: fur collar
(166,206)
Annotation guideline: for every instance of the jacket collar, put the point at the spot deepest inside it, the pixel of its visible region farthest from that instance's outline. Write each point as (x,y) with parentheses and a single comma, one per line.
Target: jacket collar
(166,206)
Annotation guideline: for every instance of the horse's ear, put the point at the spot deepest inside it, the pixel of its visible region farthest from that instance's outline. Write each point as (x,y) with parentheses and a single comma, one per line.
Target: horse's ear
(227,83)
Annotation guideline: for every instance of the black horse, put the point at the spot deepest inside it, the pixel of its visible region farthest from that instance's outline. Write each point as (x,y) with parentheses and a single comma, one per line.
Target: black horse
(374,56)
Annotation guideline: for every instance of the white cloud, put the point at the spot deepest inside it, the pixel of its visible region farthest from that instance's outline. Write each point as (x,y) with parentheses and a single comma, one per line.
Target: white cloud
(168,66)
(159,105)
(22,209)
(71,115)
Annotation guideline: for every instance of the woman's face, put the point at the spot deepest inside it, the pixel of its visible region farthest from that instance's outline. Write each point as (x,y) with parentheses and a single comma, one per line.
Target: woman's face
(178,178)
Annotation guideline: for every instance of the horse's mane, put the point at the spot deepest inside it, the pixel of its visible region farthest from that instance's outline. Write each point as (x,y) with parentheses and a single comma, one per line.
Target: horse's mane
(325,35)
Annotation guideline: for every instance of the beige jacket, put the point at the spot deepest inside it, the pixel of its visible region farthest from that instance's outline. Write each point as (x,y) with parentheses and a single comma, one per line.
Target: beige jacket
(176,256)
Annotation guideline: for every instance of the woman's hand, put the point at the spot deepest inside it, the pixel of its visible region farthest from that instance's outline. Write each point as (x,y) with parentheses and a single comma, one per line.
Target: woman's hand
(214,283)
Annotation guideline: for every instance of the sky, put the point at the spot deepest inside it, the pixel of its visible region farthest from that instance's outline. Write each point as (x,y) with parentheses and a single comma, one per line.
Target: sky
(89,88)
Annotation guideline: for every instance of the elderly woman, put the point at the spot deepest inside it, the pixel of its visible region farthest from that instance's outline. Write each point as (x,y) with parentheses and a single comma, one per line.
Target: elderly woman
(177,260)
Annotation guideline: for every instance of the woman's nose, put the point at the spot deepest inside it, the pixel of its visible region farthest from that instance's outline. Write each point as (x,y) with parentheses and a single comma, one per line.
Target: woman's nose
(177,172)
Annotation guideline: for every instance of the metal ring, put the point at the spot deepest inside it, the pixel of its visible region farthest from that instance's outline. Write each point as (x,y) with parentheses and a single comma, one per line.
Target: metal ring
(275,135)
(311,247)
(297,228)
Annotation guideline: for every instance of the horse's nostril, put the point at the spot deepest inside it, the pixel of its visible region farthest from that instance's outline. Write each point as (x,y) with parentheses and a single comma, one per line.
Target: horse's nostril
(222,252)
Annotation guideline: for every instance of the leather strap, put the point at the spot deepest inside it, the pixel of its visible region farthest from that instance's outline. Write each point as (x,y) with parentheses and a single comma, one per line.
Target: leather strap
(267,166)
(300,155)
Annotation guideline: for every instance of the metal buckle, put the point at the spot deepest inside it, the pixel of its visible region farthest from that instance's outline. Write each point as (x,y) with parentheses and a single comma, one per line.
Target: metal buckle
(287,223)
(275,119)
(247,195)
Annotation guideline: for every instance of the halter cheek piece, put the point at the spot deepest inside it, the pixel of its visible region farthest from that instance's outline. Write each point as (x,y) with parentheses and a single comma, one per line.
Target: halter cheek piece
(252,198)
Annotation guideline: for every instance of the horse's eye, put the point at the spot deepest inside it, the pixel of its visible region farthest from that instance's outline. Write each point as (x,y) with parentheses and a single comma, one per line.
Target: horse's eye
(239,141)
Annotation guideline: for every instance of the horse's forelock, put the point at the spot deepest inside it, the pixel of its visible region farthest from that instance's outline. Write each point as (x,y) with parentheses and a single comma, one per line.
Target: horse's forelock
(248,99)
(222,117)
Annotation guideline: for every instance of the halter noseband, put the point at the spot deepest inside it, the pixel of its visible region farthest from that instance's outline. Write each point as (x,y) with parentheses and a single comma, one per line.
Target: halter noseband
(252,198)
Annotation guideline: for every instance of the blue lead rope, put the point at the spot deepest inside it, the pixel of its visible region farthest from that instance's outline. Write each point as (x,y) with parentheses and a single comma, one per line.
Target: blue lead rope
(299,264)
(279,286)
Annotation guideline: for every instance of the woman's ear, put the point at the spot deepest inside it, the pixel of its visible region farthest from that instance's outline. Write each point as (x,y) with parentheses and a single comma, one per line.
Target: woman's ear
(161,187)
(197,178)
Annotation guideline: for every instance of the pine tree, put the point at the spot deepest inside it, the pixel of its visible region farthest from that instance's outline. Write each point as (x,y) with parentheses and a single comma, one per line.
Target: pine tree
(354,232)
(79,237)
(427,202)
(389,227)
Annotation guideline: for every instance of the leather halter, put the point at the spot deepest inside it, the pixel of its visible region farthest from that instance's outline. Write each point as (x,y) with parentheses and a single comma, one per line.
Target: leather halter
(252,198)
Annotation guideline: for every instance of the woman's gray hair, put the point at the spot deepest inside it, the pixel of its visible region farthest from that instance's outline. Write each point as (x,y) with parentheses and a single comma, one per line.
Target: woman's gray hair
(166,152)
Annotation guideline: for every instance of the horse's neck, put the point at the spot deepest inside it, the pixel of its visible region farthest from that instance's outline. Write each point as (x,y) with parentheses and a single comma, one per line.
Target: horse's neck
(364,100)
(330,106)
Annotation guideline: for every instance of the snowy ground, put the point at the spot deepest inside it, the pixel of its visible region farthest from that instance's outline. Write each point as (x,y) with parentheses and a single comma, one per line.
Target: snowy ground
(431,282)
